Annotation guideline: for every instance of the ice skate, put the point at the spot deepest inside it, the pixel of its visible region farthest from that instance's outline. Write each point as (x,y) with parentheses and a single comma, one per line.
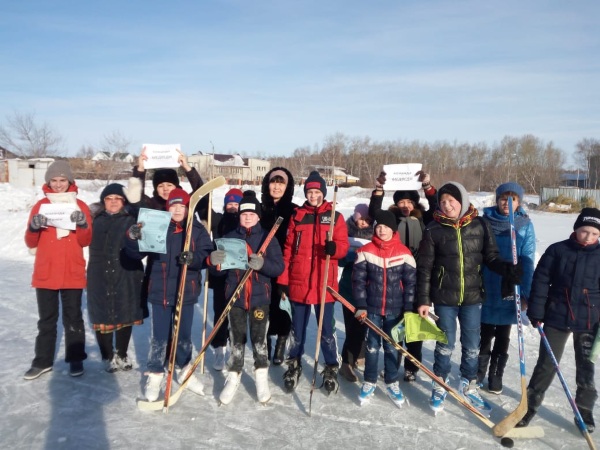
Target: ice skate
(438,395)
(470,391)
(395,394)
(153,385)
(330,381)
(291,375)
(219,363)
(366,392)
(193,384)
(231,385)
(262,385)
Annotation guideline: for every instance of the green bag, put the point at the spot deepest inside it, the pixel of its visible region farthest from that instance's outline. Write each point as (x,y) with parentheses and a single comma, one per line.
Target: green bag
(420,329)
(398,332)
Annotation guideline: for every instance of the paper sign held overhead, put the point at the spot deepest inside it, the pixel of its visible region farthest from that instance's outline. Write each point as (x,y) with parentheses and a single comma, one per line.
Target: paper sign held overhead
(402,177)
(161,156)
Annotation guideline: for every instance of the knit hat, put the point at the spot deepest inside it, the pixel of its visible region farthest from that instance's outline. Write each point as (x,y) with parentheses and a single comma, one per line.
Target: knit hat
(250,203)
(177,196)
(278,173)
(59,168)
(413,196)
(315,181)
(387,218)
(233,196)
(361,211)
(457,191)
(165,176)
(113,189)
(589,217)
(511,186)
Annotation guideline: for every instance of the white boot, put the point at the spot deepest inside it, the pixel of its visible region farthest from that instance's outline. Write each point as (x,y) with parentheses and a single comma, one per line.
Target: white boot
(153,383)
(231,385)
(219,363)
(262,384)
(193,384)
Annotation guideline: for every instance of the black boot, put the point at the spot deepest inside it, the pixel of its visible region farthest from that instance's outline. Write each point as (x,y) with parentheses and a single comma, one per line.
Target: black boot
(588,419)
(279,354)
(291,375)
(526,418)
(495,376)
(482,368)
(330,380)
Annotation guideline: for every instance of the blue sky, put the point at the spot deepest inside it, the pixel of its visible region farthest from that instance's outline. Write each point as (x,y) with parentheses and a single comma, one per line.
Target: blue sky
(267,77)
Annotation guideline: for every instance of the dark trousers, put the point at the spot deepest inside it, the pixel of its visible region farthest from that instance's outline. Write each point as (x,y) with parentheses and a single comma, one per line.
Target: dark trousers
(162,324)
(302,313)
(219,304)
(238,324)
(48,310)
(544,371)
(355,337)
(501,334)
(415,349)
(121,342)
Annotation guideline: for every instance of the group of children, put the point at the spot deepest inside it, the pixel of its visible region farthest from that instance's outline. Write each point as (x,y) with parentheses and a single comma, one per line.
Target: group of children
(447,257)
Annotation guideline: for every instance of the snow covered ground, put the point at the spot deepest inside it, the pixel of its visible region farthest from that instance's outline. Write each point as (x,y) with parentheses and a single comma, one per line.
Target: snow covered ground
(98,410)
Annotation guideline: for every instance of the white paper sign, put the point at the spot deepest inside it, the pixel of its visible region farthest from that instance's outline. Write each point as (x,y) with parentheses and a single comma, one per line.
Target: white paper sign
(154,230)
(161,156)
(59,214)
(401,177)
(236,254)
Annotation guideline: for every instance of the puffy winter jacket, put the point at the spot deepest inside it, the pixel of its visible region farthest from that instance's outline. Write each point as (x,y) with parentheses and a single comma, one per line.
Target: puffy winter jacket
(347,262)
(497,311)
(257,289)
(59,263)
(384,277)
(450,260)
(565,293)
(304,252)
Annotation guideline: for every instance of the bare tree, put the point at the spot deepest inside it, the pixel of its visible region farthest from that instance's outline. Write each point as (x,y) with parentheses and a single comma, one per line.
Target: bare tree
(25,137)
(588,149)
(115,142)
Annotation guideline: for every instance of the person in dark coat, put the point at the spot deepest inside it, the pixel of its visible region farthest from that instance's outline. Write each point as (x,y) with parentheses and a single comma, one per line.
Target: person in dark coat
(114,280)
(277,201)
(565,299)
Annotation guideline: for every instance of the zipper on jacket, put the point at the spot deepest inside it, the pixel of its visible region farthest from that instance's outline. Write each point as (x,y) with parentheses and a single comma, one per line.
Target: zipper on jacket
(297,243)
(164,274)
(462,267)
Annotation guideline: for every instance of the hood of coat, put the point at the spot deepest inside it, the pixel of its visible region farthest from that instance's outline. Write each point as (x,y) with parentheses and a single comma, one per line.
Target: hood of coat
(266,198)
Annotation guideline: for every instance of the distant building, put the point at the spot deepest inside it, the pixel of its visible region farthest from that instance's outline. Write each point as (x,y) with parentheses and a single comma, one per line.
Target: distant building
(331,174)
(576,179)
(235,168)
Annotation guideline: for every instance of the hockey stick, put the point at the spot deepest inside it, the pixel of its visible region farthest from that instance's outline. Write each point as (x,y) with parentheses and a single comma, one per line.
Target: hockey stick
(322,304)
(205,303)
(513,418)
(528,432)
(194,199)
(578,419)
(146,405)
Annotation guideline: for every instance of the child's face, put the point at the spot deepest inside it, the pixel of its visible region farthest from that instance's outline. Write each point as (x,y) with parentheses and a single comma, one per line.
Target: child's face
(587,235)
(248,219)
(406,206)
(450,206)
(314,197)
(59,184)
(232,207)
(384,232)
(178,211)
(502,202)
(164,189)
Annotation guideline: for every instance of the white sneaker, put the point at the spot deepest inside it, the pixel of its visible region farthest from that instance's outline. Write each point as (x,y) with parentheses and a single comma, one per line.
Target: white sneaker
(193,384)
(262,384)
(153,384)
(231,385)
(219,363)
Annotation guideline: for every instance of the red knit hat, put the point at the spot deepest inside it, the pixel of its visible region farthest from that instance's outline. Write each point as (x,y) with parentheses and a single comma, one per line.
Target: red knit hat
(233,196)
(178,196)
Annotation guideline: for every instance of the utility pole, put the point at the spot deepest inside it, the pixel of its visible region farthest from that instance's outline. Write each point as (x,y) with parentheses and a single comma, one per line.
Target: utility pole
(212,161)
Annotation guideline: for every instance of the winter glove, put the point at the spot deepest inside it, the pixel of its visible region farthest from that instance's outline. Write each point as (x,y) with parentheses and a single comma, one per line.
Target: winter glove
(330,248)
(217,257)
(512,274)
(535,322)
(256,262)
(38,221)
(361,315)
(507,290)
(283,290)
(79,218)
(425,179)
(380,181)
(186,258)
(135,231)
(133,191)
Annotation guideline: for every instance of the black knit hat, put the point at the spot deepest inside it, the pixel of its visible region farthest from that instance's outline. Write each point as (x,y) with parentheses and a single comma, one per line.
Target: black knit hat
(165,176)
(589,217)
(413,196)
(113,189)
(387,218)
(450,189)
(315,181)
(250,203)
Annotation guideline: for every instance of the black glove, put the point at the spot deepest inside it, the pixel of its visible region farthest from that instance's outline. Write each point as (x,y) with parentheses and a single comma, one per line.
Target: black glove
(329,248)
(283,290)
(535,322)
(79,218)
(256,262)
(217,257)
(135,231)
(507,289)
(38,221)
(513,274)
(380,181)
(185,258)
(361,315)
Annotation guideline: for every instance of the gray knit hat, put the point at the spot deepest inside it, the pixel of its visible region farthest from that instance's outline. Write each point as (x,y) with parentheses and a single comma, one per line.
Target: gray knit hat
(59,169)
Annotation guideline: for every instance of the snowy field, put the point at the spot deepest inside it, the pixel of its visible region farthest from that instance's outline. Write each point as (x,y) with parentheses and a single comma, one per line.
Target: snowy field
(98,410)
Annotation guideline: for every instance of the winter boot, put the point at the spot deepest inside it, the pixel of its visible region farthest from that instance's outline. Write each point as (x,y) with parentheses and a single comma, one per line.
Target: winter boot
(262,384)
(291,375)
(153,383)
(470,392)
(347,372)
(410,376)
(495,376)
(366,392)
(231,385)
(482,368)
(219,363)
(438,395)
(124,364)
(394,392)
(111,365)
(193,384)
(330,380)
(526,418)
(588,419)
(279,354)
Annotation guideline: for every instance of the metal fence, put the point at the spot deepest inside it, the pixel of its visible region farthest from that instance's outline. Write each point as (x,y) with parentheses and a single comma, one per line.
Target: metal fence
(575,193)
